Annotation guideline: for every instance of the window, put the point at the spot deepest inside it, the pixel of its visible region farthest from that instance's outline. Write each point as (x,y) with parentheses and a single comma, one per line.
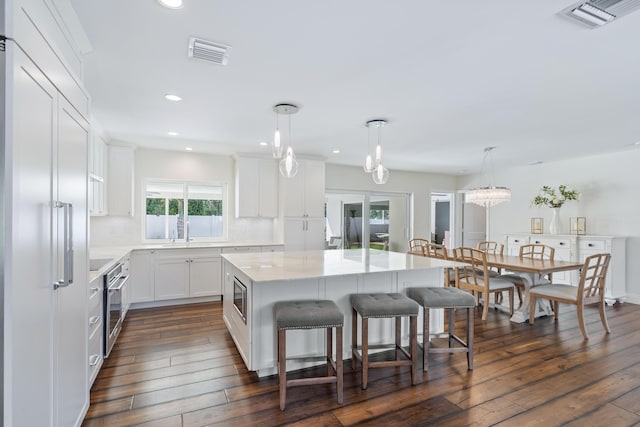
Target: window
(167,219)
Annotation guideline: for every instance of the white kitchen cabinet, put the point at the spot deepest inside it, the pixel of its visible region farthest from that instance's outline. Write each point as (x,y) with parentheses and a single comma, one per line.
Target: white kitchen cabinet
(97,172)
(303,234)
(240,249)
(272,248)
(95,329)
(183,273)
(141,276)
(304,193)
(171,276)
(45,305)
(256,187)
(120,180)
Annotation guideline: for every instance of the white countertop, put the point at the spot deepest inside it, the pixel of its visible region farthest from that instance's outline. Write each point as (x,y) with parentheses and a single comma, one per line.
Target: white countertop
(116,253)
(277,266)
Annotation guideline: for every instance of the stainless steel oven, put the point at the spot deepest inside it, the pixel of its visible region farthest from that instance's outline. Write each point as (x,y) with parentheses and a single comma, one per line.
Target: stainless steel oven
(240,298)
(115,282)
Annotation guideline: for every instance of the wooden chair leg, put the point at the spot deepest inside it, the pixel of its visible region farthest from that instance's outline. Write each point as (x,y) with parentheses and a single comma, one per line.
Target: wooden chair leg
(339,366)
(519,295)
(282,367)
(603,317)
(583,328)
(532,308)
(470,324)
(413,348)
(485,307)
(425,340)
(511,301)
(365,352)
(556,309)
(354,338)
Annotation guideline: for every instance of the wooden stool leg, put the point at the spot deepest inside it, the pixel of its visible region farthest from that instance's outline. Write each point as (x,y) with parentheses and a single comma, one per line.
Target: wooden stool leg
(365,352)
(413,345)
(354,338)
(470,324)
(339,367)
(398,321)
(282,367)
(329,351)
(425,341)
(451,325)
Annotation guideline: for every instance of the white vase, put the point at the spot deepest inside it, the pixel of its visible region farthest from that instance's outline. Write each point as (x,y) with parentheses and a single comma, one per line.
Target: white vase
(555,226)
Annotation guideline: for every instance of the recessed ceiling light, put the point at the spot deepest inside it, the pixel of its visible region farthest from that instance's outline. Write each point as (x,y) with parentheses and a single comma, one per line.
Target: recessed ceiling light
(264,144)
(172,97)
(172,133)
(188,148)
(636,143)
(171,4)
(336,151)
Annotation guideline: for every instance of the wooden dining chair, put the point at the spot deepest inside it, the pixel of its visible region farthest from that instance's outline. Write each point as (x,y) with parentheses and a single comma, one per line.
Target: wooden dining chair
(417,246)
(532,251)
(492,248)
(433,250)
(590,290)
(475,278)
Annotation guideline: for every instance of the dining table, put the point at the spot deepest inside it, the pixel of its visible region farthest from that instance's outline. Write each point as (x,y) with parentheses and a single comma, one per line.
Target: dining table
(532,271)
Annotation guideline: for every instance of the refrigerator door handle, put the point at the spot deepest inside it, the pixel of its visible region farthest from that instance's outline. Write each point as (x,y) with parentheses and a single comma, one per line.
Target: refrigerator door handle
(67,245)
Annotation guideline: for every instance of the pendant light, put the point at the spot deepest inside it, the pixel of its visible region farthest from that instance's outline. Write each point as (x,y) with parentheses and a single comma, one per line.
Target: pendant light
(368,161)
(490,195)
(379,173)
(288,165)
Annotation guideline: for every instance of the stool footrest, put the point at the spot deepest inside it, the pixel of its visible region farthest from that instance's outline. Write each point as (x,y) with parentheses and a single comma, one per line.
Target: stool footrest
(310,381)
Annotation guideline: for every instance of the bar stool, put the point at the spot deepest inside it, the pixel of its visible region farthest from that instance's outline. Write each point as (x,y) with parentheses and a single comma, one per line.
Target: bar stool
(381,305)
(303,314)
(450,298)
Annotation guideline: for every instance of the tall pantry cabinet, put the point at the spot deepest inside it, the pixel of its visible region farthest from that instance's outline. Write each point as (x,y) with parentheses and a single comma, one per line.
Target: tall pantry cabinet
(44,185)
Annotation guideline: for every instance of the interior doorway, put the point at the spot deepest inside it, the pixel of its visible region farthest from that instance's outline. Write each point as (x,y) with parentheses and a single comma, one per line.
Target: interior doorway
(442,219)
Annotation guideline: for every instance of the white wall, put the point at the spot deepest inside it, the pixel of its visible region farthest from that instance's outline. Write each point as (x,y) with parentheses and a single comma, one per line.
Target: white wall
(186,166)
(609,185)
(419,185)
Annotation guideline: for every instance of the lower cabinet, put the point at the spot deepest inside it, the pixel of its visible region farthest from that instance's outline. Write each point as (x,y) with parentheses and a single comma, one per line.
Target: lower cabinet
(141,276)
(187,273)
(95,329)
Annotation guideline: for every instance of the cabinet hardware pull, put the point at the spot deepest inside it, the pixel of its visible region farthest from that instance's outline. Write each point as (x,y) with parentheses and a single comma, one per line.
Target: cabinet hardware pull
(95,289)
(561,243)
(94,359)
(590,244)
(94,320)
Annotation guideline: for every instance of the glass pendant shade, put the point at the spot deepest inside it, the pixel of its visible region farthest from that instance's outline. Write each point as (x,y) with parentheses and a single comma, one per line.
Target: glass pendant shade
(277,145)
(289,165)
(380,174)
(378,153)
(368,164)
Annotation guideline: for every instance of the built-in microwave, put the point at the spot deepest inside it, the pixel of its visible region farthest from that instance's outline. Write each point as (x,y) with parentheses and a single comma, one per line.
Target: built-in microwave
(240,298)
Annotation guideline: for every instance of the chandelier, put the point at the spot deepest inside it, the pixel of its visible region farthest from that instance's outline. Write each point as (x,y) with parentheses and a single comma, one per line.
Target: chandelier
(379,173)
(288,165)
(490,195)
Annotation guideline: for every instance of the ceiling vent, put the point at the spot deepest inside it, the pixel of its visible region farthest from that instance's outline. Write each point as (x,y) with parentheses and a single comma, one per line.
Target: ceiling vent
(208,51)
(597,13)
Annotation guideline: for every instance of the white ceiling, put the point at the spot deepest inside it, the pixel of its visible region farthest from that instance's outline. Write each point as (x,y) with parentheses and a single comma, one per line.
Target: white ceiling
(450,76)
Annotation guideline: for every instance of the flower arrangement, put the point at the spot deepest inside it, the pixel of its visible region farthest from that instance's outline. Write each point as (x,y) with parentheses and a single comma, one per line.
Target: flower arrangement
(549,196)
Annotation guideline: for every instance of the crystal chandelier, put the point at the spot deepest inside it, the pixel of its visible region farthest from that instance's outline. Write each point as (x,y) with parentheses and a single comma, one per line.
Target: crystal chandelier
(490,195)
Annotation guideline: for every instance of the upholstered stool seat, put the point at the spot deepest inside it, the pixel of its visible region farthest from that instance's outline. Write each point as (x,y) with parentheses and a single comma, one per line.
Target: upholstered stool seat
(309,314)
(449,298)
(383,305)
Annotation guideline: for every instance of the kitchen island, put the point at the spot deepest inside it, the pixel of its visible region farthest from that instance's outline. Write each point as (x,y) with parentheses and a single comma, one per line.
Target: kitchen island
(252,283)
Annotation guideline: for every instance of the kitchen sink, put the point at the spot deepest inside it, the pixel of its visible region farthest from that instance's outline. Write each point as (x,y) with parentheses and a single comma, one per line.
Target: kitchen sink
(97,263)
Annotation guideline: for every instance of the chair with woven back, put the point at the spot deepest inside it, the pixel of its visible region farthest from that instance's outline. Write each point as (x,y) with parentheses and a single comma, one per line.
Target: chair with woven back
(475,277)
(590,290)
(531,251)
(417,246)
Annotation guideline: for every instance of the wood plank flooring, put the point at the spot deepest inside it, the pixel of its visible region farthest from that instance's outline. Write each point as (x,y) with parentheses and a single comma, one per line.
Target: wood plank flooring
(177,366)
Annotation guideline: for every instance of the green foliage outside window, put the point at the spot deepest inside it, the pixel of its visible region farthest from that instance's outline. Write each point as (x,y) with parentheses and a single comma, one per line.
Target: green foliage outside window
(205,207)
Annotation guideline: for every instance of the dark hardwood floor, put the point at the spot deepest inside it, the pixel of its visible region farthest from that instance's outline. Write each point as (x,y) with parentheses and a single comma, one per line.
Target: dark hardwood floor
(177,366)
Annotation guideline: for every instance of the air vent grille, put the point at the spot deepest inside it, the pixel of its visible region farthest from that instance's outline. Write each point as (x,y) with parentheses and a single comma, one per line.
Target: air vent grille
(208,51)
(596,13)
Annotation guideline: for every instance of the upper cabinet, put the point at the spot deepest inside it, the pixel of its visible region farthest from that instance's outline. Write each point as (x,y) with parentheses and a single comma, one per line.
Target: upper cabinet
(256,187)
(304,193)
(97,172)
(120,180)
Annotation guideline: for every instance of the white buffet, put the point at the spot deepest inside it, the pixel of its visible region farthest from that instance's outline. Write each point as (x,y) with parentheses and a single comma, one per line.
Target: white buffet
(254,282)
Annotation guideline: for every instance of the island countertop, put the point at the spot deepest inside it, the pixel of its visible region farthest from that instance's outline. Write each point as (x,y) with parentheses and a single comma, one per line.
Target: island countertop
(279,266)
